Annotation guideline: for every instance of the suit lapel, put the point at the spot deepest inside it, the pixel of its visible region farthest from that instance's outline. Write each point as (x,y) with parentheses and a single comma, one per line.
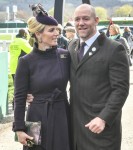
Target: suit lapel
(95,47)
(74,53)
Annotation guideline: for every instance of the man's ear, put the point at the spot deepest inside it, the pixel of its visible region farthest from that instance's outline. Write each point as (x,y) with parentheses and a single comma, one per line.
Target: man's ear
(97,20)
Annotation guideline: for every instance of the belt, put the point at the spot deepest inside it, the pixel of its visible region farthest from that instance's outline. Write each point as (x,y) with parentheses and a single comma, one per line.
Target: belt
(48,100)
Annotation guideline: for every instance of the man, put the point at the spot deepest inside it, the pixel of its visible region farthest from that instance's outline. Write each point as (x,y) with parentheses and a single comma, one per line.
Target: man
(62,41)
(18,48)
(99,85)
(70,33)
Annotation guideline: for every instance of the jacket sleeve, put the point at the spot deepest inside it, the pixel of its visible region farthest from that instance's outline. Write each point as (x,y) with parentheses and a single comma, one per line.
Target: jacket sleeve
(119,81)
(21,90)
(126,45)
(25,46)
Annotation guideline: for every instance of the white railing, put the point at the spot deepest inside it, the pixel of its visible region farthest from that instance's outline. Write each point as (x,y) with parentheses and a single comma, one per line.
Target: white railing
(10,30)
(4,45)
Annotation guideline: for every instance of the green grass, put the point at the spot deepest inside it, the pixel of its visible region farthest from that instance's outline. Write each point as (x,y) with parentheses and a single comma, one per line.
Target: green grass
(6,36)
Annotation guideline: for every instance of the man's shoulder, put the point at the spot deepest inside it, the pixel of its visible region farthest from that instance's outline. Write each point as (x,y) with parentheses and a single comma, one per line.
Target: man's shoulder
(72,43)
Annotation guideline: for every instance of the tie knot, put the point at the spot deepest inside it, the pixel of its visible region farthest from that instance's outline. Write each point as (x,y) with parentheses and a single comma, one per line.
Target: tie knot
(82,44)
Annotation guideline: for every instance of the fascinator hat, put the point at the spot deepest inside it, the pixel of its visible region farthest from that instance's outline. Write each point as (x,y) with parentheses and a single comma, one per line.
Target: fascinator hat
(42,15)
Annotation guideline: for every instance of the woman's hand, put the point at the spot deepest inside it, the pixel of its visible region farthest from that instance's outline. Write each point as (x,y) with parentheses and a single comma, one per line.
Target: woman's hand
(23,137)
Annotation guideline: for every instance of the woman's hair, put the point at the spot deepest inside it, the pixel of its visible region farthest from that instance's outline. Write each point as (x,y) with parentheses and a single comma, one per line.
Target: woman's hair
(34,26)
(60,28)
(116,28)
(127,29)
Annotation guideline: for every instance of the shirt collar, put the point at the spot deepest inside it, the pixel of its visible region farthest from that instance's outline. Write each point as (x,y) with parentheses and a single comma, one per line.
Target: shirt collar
(90,41)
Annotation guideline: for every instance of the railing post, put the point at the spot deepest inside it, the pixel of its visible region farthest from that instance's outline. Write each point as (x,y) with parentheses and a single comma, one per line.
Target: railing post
(3,83)
(59,10)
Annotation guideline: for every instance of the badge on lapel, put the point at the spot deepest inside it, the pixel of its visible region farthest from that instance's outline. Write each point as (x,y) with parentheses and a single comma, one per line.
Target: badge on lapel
(91,51)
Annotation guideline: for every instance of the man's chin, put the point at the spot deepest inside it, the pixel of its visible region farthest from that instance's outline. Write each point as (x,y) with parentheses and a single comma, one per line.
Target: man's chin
(82,36)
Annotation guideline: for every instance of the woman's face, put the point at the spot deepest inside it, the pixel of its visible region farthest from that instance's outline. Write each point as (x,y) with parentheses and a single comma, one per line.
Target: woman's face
(49,36)
(112,31)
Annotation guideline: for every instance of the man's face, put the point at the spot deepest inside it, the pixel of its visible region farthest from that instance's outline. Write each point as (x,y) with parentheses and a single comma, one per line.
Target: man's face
(85,22)
(69,35)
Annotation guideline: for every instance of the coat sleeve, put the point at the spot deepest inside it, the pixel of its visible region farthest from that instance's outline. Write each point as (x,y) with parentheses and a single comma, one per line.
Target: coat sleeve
(119,82)
(21,90)
(125,44)
(25,46)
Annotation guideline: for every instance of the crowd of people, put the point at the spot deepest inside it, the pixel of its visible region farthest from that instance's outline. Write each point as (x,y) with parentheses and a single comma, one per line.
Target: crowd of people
(97,68)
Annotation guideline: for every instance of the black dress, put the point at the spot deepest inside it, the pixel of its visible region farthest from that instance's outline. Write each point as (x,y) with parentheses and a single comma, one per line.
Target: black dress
(45,75)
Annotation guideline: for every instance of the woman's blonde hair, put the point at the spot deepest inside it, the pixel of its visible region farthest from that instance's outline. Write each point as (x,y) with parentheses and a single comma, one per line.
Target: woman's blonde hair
(34,26)
(116,28)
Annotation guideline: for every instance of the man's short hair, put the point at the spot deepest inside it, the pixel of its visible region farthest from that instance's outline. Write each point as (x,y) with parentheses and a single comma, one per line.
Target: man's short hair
(70,29)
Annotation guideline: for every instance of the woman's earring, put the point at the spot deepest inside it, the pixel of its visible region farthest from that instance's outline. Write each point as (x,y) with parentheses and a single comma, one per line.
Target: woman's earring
(40,40)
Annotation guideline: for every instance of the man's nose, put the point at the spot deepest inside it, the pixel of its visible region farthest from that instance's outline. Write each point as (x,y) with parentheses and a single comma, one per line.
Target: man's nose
(81,22)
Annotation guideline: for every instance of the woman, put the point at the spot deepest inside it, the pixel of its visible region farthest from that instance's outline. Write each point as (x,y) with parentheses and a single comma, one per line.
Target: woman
(114,31)
(44,73)
(127,33)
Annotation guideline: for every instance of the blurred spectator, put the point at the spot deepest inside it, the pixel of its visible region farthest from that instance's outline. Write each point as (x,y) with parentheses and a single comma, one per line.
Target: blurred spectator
(110,23)
(68,24)
(128,36)
(18,47)
(127,33)
(114,31)
(22,34)
(62,41)
(70,33)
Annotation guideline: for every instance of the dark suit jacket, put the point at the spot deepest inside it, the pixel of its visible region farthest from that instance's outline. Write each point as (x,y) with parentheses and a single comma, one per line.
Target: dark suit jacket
(99,87)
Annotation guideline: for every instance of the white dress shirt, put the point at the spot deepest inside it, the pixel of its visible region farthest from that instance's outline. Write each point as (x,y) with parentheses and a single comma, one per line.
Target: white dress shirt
(89,42)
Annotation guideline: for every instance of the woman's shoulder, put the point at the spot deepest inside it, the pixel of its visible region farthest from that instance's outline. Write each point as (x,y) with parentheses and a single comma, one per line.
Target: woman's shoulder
(28,57)
(62,51)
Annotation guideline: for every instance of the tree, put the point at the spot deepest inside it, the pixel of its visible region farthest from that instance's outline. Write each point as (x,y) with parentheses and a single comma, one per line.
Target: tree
(124,11)
(51,12)
(101,13)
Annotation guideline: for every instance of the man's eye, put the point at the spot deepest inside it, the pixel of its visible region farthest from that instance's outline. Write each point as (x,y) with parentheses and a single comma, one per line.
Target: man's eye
(86,18)
(77,19)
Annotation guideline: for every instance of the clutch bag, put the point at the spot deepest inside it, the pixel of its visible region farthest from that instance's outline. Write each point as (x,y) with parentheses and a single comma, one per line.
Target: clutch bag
(33,129)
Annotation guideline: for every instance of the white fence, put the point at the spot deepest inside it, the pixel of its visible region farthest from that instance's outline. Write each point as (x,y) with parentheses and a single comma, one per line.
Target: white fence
(4,45)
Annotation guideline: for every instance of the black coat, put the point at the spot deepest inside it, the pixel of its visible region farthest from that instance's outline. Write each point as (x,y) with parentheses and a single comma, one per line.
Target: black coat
(45,76)
(99,88)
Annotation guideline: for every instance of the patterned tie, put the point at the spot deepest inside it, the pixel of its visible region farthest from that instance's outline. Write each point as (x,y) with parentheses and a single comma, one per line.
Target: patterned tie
(81,51)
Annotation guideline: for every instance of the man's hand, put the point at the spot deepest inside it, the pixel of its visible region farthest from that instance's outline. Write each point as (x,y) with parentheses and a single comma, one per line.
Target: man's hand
(29,98)
(96,125)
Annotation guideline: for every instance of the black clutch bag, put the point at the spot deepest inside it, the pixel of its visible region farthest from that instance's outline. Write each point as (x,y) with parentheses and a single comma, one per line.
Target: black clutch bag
(33,129)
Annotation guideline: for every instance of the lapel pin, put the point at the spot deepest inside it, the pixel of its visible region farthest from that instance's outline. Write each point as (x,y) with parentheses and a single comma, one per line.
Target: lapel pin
(90,53)
(94,49)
